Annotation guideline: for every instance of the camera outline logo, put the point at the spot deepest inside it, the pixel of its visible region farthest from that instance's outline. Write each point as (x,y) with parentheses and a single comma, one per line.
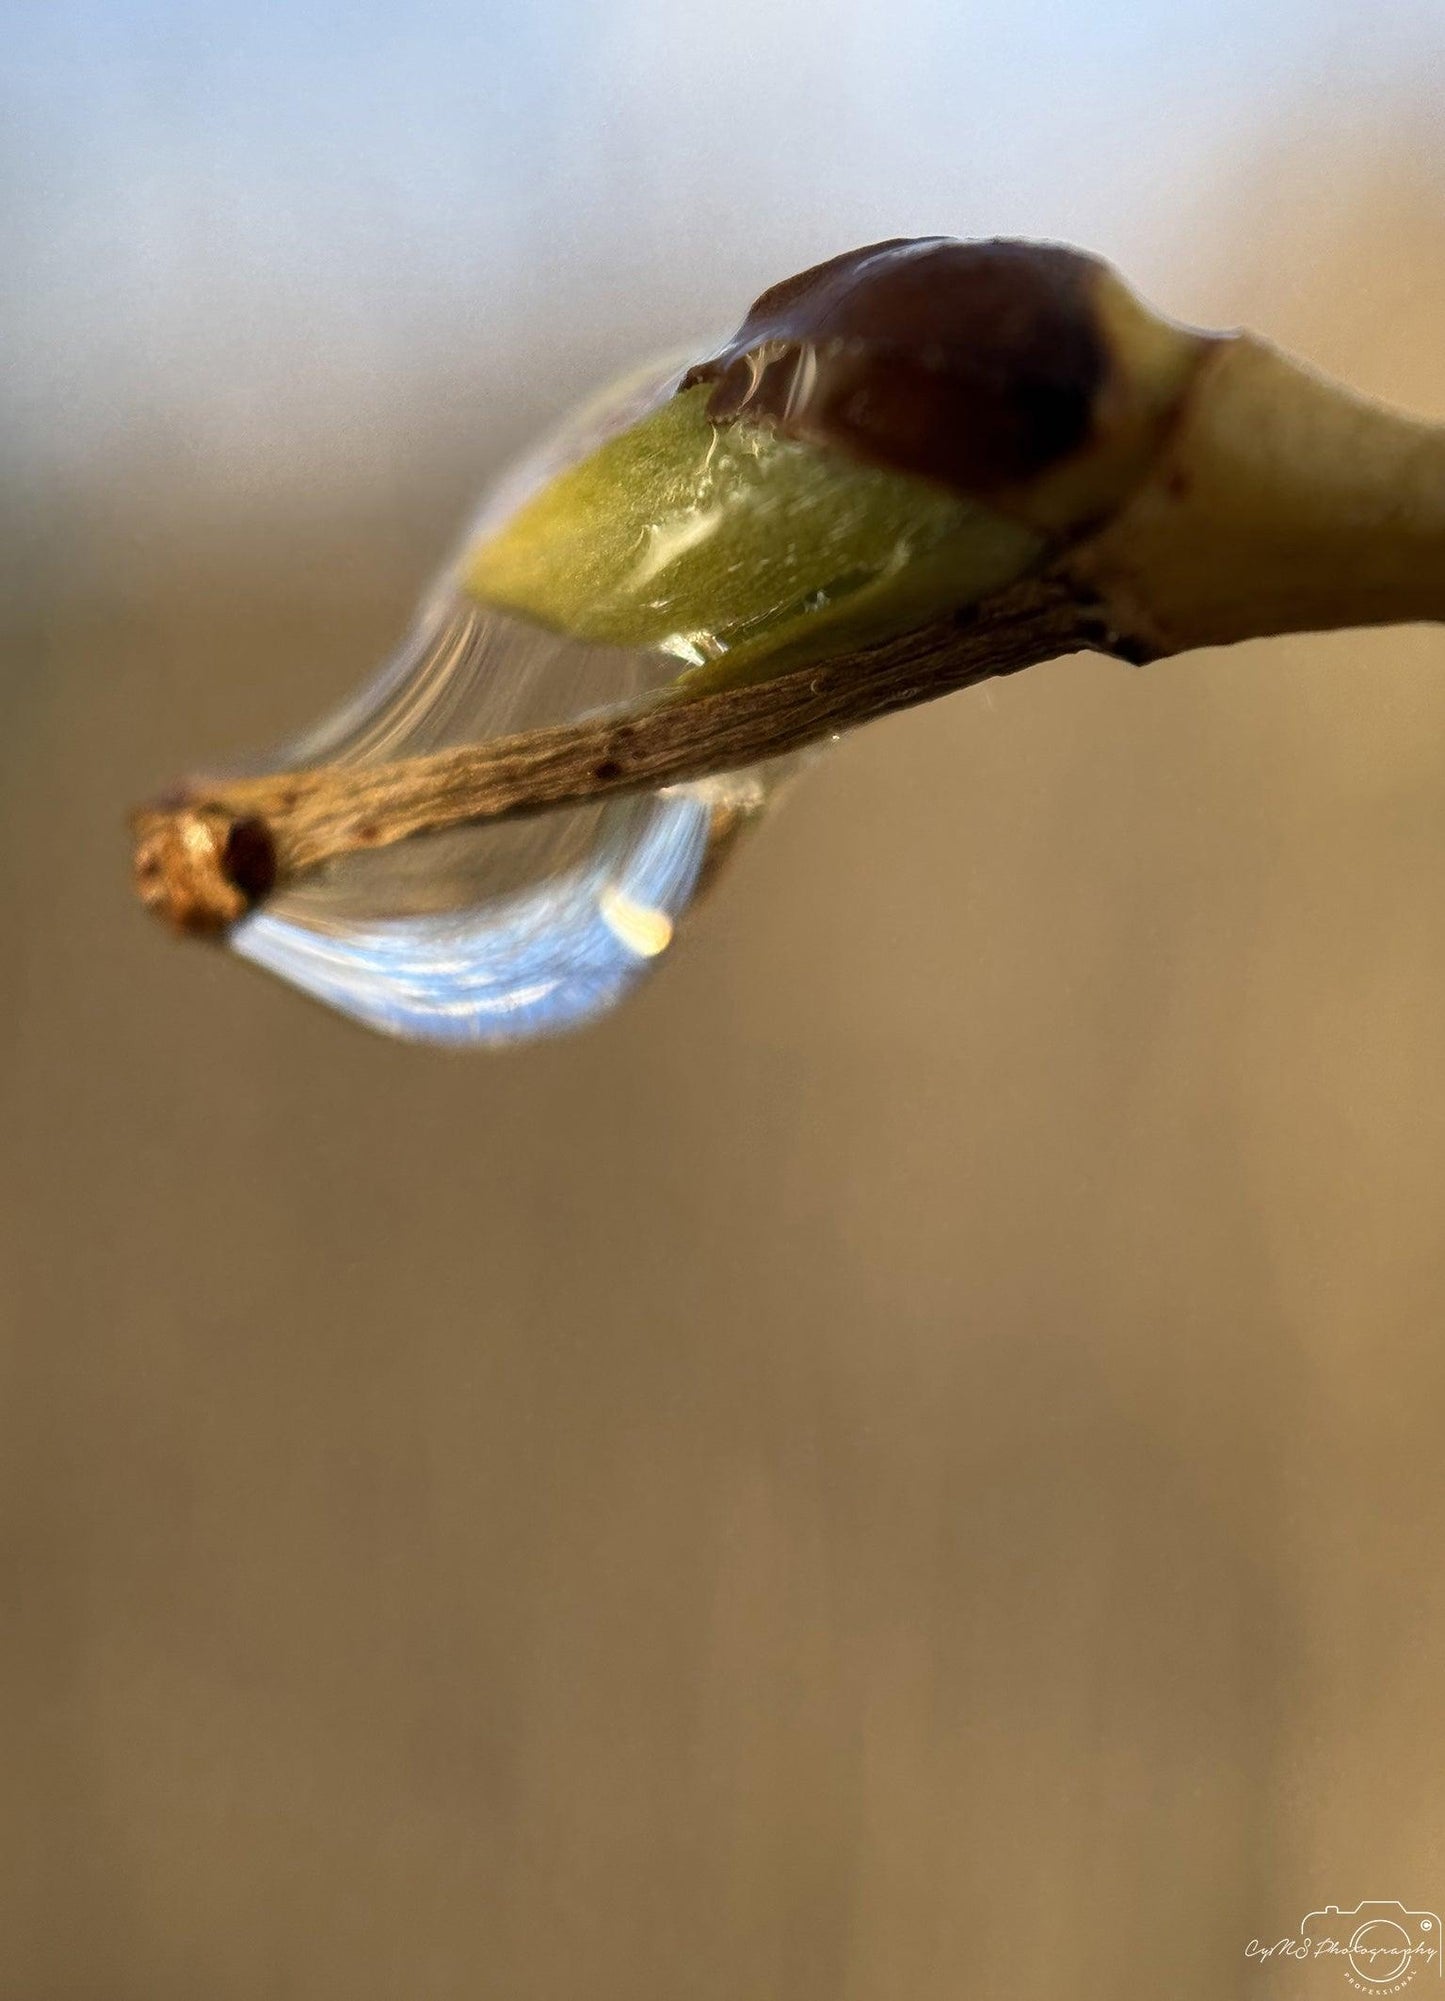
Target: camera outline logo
(1383,1945)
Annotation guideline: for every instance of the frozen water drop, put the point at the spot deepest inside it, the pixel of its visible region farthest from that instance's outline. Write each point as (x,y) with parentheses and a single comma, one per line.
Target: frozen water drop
(494,934)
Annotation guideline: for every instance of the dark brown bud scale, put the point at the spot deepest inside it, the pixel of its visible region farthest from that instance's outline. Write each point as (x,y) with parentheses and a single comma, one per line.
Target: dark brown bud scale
(979,365)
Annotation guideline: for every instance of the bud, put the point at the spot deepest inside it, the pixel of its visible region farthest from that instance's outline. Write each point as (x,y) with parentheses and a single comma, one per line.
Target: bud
(887,437)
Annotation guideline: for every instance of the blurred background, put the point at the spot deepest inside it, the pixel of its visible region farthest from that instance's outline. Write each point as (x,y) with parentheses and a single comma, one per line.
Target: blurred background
(904,1464)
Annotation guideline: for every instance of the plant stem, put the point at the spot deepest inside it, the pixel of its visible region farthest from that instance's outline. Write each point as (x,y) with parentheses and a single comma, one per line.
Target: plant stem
(205,857)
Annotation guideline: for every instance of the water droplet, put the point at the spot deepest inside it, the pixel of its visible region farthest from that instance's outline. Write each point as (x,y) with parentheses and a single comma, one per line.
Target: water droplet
(498,933)
(494,934)
(641,542)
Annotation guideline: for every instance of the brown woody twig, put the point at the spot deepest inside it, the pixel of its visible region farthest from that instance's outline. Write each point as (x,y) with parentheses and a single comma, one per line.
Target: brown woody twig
(207,856)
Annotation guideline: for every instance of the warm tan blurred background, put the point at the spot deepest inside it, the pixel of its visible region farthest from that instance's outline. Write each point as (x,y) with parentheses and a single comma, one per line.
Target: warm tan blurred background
(906,1464)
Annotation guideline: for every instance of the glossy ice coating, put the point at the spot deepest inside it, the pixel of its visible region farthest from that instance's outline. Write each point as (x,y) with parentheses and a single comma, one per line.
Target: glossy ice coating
(734,544)
(497,933)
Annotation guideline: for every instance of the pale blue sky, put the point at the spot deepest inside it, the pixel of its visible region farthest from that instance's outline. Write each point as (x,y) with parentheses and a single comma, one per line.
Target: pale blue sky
(251,220)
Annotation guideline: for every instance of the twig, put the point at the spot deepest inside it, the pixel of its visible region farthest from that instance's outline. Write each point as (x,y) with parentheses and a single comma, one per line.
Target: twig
(208,856)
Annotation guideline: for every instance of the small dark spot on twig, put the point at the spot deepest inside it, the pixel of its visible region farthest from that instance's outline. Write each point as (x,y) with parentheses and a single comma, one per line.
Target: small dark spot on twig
(249,859)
